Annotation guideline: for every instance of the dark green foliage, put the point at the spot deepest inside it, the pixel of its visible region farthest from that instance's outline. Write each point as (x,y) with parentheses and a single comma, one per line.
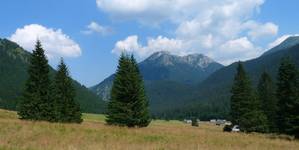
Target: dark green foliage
(228,128)
(268,101)
(128,105)
(66,109)
(36,103)
(14,63)
(169,80)
(140,104)
(288,98)
(194,122)
(13,73)
(216,88)
(245,108)
(254,121)
(242,94)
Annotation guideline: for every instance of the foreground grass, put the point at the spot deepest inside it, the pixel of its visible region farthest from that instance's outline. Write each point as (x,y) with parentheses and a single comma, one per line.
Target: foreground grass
(94,134)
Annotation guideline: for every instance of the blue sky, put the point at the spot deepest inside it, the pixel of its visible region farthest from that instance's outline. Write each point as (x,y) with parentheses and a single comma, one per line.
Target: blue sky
(90,34)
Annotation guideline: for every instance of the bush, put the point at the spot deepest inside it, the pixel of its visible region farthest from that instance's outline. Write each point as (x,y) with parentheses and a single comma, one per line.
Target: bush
(227,128)
(194,122)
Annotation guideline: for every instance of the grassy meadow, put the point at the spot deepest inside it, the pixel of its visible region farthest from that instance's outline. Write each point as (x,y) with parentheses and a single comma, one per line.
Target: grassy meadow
(160,135)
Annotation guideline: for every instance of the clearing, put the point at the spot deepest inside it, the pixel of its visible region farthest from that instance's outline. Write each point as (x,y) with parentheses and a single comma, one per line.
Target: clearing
(94,134)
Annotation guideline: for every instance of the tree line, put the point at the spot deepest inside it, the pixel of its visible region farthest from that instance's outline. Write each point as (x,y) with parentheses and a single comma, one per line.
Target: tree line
(269,108)
(53,100)
(45,99)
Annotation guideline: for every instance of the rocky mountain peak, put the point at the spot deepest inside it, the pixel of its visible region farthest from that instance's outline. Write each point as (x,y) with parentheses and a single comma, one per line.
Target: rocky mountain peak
(167,59)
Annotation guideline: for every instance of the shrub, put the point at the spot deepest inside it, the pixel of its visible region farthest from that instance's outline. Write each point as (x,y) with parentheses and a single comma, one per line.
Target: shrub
(194,122)
(227,128)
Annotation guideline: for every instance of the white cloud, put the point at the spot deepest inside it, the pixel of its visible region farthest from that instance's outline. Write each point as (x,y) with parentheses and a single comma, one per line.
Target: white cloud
(132,45)
(280,40)
(94,27)
(177,10)
(201,26)
(55,42)
(238,49)
(258,30)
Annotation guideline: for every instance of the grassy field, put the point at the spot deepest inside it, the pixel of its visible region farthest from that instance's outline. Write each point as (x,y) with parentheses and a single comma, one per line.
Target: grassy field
(160,135)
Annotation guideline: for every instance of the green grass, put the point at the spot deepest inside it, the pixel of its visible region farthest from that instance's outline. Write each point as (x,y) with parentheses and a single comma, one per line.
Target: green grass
(93,133)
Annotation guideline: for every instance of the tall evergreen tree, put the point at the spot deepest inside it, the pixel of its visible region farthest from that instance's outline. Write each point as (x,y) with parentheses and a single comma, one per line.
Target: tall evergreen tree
(288,98)
(36,103)
(118,111)
(66,109)
(128,105)
(140,105)
(241,95)
(267,99)
(244,105)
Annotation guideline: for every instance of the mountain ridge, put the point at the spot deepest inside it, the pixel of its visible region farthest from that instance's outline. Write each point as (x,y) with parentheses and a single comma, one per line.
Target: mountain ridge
(212,97)
(168,78)
(14,61)
(289,42)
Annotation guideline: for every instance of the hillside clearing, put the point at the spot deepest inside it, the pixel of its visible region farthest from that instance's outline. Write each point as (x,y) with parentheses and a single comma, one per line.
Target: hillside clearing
(94,134)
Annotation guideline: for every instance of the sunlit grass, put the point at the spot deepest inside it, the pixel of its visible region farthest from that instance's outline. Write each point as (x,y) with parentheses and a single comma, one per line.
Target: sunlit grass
(94,134)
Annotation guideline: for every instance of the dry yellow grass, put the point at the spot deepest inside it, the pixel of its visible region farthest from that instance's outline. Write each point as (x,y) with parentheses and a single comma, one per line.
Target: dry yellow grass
(160,135)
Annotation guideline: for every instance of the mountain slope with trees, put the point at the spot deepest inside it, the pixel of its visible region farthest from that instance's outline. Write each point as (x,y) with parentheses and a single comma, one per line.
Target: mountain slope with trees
(14,61)
(169,79)
(213,94)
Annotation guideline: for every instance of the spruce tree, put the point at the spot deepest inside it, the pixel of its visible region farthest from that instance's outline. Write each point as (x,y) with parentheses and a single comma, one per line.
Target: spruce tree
(128,105)
(140,103)
(118,111)
(245,109)
(66,109)
(36,103)
(288,98)
(241,95)
(267,99)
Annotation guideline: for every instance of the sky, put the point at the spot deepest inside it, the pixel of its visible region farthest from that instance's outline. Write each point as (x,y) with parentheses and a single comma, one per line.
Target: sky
(90,34)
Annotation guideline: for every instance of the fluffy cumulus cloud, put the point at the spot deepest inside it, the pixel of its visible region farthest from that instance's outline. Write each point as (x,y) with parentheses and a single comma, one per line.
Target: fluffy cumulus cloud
(132,45)
(258,30)
(238,49)
(55,42)
(202,26)
(94,27)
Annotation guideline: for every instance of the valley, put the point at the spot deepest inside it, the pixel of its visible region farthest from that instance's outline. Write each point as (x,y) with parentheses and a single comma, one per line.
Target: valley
(94,134)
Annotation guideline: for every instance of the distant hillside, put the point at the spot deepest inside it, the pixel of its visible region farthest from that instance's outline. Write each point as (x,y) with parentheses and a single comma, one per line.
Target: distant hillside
(213,94)
(13,74)
(169,79)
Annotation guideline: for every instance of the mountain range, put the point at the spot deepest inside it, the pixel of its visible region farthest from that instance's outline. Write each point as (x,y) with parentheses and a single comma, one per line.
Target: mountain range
(212,99)
(169,79)
(14,61)
(177,86)
(195,84)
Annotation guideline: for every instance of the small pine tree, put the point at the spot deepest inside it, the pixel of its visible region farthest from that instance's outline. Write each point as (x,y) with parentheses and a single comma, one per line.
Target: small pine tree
(288,98)
(36,103)
(267,99)
(66,109)
(128,105)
